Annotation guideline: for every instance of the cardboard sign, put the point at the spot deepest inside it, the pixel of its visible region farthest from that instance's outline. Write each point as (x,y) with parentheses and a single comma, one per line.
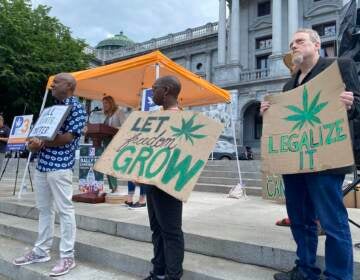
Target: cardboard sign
(273,187)
(306,129)
(50,122)
(167,149)
(19,132)
(90,181)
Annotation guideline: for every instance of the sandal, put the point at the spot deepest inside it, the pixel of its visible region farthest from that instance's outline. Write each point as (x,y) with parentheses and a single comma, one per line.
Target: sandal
(283,223)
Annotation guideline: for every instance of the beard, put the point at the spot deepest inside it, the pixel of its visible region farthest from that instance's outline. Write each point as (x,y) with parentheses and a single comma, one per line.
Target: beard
(297,59)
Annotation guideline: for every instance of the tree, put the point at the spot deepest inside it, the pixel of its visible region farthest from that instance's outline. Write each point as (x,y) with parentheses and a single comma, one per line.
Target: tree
(33,46)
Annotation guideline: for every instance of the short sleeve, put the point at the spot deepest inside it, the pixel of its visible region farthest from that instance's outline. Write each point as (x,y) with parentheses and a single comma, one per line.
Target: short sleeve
(75,122)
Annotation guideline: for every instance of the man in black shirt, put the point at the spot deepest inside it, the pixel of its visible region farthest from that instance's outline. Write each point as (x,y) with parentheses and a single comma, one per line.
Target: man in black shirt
(4,134)
(319,194)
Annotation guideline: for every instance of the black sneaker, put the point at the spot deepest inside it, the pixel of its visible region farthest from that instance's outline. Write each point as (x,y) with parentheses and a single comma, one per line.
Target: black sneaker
(294,274)
(137,205)
(129,204)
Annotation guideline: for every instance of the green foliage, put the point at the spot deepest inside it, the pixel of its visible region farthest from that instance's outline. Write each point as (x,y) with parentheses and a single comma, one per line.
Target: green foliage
(33,46)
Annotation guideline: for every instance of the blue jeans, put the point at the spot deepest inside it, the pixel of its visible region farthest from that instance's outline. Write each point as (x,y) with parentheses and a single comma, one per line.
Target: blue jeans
(131,188)
(315,196)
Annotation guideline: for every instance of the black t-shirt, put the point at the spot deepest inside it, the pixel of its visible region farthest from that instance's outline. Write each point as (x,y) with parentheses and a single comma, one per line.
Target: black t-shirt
(4,132)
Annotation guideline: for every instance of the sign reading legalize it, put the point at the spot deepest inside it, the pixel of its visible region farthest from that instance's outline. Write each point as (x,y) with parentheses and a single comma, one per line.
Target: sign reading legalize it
(306,129)
(167,149)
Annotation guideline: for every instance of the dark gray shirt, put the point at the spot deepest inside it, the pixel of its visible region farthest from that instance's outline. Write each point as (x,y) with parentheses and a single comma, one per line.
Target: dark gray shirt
(4,132)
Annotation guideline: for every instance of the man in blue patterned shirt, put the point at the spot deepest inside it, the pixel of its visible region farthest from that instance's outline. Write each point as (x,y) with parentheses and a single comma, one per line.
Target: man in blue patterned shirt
(53,179)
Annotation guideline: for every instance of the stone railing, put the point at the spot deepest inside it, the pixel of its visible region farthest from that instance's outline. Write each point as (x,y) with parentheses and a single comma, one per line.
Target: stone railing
(254,75)
(328,37)
(188,34)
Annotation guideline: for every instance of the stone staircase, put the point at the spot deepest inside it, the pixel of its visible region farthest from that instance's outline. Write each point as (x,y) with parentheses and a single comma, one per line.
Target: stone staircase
(224,238)
(218,176)
(109,249)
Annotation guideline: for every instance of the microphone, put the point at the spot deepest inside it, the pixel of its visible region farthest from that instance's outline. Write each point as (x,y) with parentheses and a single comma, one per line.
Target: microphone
(96,109)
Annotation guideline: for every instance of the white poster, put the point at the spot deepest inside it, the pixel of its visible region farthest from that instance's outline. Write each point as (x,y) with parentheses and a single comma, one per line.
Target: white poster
(50,122)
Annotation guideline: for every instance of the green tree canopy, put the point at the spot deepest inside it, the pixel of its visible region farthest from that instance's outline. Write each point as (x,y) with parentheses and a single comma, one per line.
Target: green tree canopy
(33,46)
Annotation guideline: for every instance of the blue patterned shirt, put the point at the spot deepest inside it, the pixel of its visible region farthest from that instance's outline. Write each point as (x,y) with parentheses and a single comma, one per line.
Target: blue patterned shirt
(63,157)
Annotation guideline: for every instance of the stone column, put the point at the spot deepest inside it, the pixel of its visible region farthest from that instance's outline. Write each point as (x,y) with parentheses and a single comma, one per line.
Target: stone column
(235,32)
(275,62)
(293,13)
(188,62)
(208,66)
(222,33)
(276,27)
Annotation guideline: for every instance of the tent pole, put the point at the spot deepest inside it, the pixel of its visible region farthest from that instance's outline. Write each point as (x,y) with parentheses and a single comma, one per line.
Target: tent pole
(29,156)
(157,71)
(236,150)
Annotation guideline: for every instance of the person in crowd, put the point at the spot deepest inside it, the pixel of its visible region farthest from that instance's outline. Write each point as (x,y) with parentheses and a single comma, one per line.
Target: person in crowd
(165,211)
(4,134)
(113,117)
(318,195)
(53,181)
(141,203)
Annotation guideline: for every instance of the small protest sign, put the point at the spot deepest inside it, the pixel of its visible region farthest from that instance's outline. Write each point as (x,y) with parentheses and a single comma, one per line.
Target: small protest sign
(50,122)
(90,180)
(273,187)
(19,132)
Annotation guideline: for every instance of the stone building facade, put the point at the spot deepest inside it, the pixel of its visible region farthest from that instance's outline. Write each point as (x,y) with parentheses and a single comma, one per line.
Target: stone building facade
(242,52)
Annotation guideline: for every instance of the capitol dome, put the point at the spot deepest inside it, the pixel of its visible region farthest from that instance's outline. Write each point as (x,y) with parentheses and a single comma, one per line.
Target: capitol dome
(116,42)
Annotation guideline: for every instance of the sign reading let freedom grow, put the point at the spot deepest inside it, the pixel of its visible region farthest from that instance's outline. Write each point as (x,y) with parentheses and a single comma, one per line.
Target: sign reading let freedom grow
(167,149)
(306,129)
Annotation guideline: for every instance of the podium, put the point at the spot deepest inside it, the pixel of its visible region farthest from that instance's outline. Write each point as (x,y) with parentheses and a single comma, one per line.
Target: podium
(99,131)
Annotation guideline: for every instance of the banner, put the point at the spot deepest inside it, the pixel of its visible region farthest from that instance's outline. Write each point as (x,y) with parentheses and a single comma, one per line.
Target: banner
(19,132)
(89,180)
(167,149)
(50,122)
(306,129)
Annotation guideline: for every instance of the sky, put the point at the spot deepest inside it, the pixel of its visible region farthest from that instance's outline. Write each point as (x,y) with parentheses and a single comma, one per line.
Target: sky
(140,20)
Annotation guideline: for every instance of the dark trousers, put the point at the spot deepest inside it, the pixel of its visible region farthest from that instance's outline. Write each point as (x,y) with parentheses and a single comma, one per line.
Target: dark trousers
(165,216)
(312,196)
(132,186)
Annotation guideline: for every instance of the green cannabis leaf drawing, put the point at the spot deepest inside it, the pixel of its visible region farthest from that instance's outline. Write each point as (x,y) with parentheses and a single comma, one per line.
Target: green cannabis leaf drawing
(187,130)
(308,113)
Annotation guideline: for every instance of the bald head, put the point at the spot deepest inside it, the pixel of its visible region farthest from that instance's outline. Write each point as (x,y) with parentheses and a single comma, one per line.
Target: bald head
(166,91)
(63,86)
(172,82)
(69,79)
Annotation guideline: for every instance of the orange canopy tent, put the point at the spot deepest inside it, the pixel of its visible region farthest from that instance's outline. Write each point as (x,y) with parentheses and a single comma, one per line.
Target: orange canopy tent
(125,81)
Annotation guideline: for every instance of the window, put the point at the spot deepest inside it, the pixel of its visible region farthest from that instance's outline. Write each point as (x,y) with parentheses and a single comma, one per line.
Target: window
(264,8)
(264,43)
(262,61)
(326,29)
(328,49)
